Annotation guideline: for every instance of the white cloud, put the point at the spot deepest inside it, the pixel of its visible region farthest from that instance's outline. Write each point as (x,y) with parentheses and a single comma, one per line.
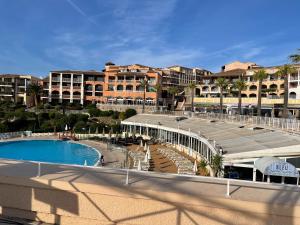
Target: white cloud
(252,52)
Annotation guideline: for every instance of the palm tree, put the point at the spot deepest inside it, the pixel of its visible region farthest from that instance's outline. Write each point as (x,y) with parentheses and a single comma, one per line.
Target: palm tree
(284,72)
(295,58)
(173,91)
(222,83)
(144,84)
(192,87)
(240,85)
(158,90)
(259,76)
(217,164)
(35,90)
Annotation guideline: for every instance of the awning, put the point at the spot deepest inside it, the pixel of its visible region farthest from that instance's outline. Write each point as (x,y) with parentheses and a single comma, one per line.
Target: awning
(275,167)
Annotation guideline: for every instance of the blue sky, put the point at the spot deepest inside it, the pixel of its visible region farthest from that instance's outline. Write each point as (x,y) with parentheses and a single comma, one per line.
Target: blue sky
(37,36)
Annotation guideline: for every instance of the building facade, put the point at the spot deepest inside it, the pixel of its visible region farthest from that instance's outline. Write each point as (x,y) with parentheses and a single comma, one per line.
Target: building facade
(114,85)
(13,88)
(272,87)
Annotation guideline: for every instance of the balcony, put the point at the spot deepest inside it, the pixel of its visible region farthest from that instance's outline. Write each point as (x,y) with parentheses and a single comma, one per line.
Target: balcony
(66,96)
(77,80)
(76,96)
(77,87)
(6,83)
(66,79)
(55,79)
(55,96)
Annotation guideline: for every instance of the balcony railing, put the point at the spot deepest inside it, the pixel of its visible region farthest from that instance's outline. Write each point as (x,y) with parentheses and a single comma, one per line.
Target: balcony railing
(54,79)
(77,80)
(66,96)
(6,83)
(76,96)
(77,87)
(66,79)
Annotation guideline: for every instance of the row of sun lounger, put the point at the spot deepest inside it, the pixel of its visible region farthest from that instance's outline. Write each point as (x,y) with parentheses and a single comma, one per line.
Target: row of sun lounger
(12,135)
(184,165)
(139,156)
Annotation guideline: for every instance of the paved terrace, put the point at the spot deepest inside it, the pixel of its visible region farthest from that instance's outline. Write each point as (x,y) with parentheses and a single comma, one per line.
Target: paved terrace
(232,137)
(101,194)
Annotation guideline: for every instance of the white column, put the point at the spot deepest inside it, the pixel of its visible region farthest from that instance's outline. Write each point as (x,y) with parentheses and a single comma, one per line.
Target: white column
(71,89)
(82,90)
(254,174)
(60,88)
(50,88)
(282,180)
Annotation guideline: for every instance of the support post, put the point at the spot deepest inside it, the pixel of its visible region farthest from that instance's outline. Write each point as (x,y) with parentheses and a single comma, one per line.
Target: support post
(228,188)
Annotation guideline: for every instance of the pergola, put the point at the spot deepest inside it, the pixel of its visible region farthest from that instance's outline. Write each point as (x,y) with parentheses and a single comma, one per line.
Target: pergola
(272,166)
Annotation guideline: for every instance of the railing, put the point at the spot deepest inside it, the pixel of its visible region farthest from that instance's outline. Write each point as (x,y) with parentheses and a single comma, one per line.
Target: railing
(66,79)
(77,80)
(292,125)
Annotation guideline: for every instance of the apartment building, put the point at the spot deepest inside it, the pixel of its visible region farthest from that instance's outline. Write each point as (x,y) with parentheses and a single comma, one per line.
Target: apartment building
(123,84)
(272,87)
(13,88)
(115,84)
(74,86)
(188,75)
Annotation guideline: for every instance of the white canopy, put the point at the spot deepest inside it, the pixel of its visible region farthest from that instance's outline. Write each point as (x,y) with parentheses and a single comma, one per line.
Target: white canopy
(276,167)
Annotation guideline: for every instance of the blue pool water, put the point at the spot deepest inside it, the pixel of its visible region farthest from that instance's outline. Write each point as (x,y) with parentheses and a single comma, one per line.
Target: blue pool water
(53,151)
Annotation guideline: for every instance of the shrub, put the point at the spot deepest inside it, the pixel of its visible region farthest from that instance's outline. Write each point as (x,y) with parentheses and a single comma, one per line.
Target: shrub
(80,127)
(130,112)
(122,116)
(94,112)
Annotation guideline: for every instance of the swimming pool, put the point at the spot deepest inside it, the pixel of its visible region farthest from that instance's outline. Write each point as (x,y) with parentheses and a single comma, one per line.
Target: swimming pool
(53,151)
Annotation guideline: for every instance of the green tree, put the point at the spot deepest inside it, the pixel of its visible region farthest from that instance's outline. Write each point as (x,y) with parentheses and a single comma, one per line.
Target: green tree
(173,91)
(284,72)
(192,87)
(35,90)
(217,164)
(222,83)
(130,113)
(259,76)
(240,85)
(158,94)
(295,58)
(144,84)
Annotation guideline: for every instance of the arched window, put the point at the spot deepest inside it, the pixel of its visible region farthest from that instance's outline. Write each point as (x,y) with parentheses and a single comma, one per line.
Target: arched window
(55,92)
(214,89)
(252,96)
(205,89)
(243,95)
(197,91)
(76,93)
(253,88)
(129,88)
(263,95)
(139,88)
(66,93)
(273,86)
(292,95)
(120,88)
(263,87)
(281,86)
(88,87)
(98,87)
